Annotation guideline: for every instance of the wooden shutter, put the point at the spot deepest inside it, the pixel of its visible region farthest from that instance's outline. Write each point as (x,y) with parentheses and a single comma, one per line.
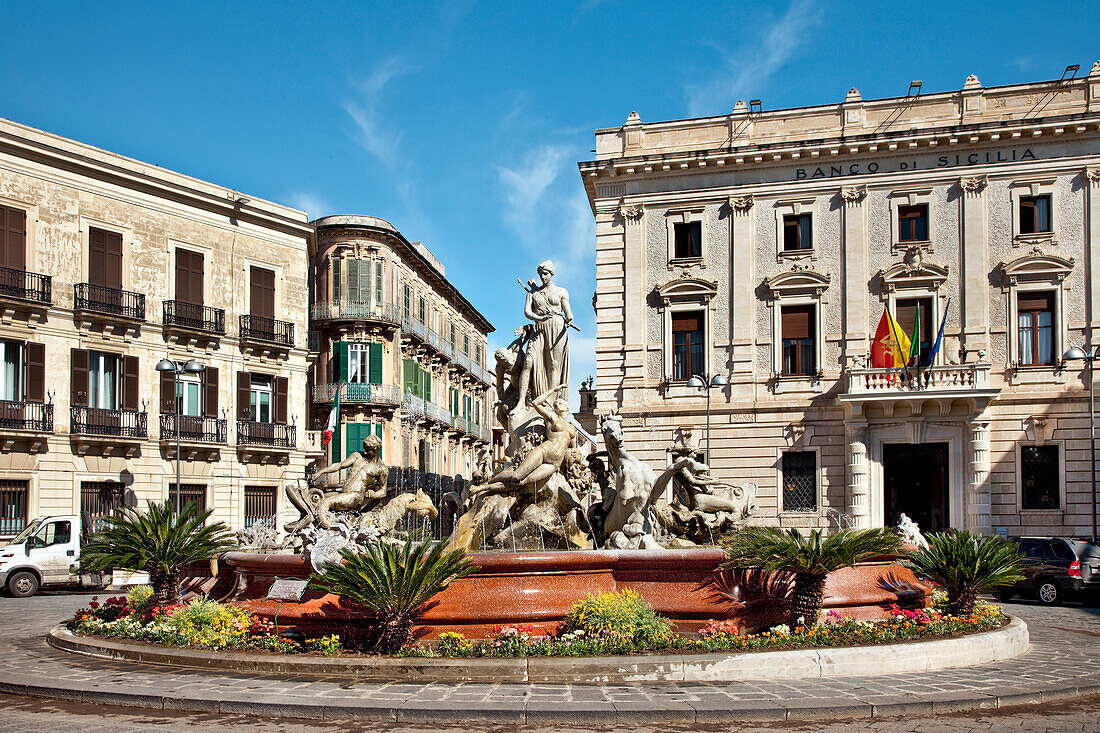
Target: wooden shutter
(244,395)
(379,266)
(411,378)
(282,392)
(798,321)
(1026,301)
(335,278)
(687,322)
(210,392)
(341,361)
(427,391)
(337,442)
(375,375)
(365,281)
(78,377)
(130,383)
(13,238)
(189,276)
(105,258)
(262,292)
(378,430)
(353,281)
(36,372)
(167,393)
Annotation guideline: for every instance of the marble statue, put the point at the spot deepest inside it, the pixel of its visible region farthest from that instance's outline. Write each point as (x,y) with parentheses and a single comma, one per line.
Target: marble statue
(258,537)
(910,533)
(547,357)
(363,488)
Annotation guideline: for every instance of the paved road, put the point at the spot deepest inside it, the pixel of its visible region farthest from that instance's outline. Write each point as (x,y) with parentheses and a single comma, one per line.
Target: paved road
(1065,654)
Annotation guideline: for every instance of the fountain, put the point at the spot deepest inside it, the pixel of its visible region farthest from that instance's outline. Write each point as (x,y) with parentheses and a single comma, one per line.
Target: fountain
(554,524)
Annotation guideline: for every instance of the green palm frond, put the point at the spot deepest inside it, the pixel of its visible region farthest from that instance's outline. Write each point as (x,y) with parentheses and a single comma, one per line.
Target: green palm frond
(966,564)
(394,580)
(778,550)
(155,540)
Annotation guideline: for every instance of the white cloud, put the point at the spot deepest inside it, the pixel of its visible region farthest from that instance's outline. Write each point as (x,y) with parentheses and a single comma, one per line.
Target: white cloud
(375,134)
(312,204)
(526,184)
(746,73)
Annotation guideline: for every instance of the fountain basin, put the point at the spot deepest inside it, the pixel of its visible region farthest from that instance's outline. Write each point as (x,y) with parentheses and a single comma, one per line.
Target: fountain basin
(538,588)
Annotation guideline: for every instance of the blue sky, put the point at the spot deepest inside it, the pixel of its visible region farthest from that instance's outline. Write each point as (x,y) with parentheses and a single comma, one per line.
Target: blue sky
(462,122)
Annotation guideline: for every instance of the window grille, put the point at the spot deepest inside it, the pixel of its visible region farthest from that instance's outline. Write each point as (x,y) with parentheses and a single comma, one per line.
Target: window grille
(98,500)
(799,481)
(190,492)
(13,506)
(259,505)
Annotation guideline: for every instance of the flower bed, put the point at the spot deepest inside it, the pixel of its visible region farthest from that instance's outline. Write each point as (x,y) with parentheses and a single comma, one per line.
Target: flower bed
(605,624)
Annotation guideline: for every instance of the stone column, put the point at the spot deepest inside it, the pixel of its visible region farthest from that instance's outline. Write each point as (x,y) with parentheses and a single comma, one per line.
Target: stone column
(1092,242)
(859,493)
(975,275)
(742,315)
(855,273)
(978,500)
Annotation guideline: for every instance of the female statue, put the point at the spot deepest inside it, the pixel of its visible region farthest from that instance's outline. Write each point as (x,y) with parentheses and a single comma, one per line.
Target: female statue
(547,361)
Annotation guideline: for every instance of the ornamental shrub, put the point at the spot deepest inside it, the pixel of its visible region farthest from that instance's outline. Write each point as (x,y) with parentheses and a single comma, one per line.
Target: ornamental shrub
(141,599)
(624,615)
(207,623)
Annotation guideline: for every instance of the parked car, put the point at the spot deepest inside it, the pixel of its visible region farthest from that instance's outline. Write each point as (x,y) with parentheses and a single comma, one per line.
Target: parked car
(46,553)
(1054,568)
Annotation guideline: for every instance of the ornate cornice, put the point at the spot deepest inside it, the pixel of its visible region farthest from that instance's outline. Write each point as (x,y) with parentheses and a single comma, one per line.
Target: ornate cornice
(687,287)
(1036,265)
(798,280)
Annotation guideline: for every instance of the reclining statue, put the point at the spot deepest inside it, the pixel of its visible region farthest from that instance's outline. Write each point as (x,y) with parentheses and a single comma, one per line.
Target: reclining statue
(364,487)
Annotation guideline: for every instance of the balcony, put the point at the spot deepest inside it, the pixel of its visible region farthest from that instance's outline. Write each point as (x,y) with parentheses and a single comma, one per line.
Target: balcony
(364,394)
(109,423)
(26,286)
(265,435)
(192,317)
(120,304)
(354,310)
(941,384)
(27,422)
(267,330)
(208,430)
(425,410)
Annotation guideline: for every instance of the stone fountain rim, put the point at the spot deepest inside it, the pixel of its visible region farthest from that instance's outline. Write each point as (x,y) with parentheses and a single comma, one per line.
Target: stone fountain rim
(1005,642)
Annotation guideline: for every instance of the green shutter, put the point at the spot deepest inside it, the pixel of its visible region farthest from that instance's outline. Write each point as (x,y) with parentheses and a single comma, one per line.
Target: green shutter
(335,443)
(378,265)
(378,430)
(454,402)
(335,279)
(427,394)
(353,281)
(341,361)
(375,364)
(412,377)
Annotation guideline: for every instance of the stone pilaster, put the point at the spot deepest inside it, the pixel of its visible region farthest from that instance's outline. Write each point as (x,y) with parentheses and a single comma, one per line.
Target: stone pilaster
(1092,242)
(742,319)
(859,494)
(975,277)
(978,499)
(609,304)
(631,217)
(855,272)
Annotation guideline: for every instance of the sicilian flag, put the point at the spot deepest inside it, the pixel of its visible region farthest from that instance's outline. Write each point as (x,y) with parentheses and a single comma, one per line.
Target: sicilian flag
(931,358)
(891,347)
(333,418)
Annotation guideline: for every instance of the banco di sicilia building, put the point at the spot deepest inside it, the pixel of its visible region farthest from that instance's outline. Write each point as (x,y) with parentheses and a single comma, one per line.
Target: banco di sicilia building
(764,245)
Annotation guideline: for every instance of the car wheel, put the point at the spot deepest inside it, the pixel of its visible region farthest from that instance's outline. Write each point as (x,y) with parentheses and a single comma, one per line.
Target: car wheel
(1049,592)
(1005,595)
(22,584)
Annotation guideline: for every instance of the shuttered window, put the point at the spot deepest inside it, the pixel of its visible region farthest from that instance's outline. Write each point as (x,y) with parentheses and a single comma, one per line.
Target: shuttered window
(13,238)
(411,377)
(336,266)
(105,258)
(799,335)
(360,363)
(189,276)
(262,292)
(1035,324)
(687,345)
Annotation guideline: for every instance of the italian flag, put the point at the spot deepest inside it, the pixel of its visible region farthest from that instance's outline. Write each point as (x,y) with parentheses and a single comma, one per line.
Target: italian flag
(333,418)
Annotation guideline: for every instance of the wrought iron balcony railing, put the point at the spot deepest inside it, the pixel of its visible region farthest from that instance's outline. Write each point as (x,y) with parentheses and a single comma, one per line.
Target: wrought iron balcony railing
(179,314)
(194,429)
(23,285)
(111,423)
(35,417)
(109,301)
(265,434)
(355,310)
(258,328)
(370,394)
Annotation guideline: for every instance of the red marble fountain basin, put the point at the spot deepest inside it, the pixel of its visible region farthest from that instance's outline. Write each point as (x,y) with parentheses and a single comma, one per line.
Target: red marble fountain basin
(537,588)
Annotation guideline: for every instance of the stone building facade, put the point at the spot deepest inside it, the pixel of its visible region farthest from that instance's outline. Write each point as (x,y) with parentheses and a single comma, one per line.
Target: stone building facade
(109,266)
(404,347)
(764,246)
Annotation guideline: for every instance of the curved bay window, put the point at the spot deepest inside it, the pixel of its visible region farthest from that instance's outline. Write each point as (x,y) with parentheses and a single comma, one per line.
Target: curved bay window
(687,345)
(1035,328)
(799,350)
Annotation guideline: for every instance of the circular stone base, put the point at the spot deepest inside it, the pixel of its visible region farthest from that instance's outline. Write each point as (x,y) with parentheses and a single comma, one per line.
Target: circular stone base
(973,650)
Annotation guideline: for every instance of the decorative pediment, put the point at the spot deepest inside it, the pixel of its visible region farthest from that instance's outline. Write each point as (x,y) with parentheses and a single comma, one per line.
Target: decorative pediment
(913,273)
(687,287)
(1036,266)
(798,280)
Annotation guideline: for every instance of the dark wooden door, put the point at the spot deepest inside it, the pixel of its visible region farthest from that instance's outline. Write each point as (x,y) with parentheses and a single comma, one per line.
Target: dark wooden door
(105,258)
(189,276)
(262,292)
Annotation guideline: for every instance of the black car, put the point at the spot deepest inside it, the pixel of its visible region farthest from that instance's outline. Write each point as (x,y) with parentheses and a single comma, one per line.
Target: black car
(1055,567)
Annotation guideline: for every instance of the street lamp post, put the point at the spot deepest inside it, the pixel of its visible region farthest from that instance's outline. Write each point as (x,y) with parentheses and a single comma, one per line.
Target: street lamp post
(1075,353)
(705,383)
(191,367)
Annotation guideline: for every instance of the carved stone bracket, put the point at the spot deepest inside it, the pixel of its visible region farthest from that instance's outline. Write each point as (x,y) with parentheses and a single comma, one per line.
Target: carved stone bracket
(740,205)
(853,195)
(1092,175)
(973,185)
(630,212)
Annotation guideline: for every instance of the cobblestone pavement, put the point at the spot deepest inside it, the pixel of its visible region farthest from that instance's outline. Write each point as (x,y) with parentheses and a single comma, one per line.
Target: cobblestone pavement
(1065,658)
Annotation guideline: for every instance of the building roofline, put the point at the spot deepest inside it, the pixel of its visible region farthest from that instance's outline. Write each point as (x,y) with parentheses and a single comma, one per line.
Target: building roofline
(29,143)
(357,221)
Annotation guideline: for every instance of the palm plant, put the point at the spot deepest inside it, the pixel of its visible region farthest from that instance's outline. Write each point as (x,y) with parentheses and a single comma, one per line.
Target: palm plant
(810,559)
(966,565)
(157,542)
(395,583)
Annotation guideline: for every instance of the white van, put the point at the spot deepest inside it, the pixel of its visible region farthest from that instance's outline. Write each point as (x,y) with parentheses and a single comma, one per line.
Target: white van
(46,553)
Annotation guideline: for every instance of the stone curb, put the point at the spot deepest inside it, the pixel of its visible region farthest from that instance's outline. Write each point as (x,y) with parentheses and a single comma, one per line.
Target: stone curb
(1007,642)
